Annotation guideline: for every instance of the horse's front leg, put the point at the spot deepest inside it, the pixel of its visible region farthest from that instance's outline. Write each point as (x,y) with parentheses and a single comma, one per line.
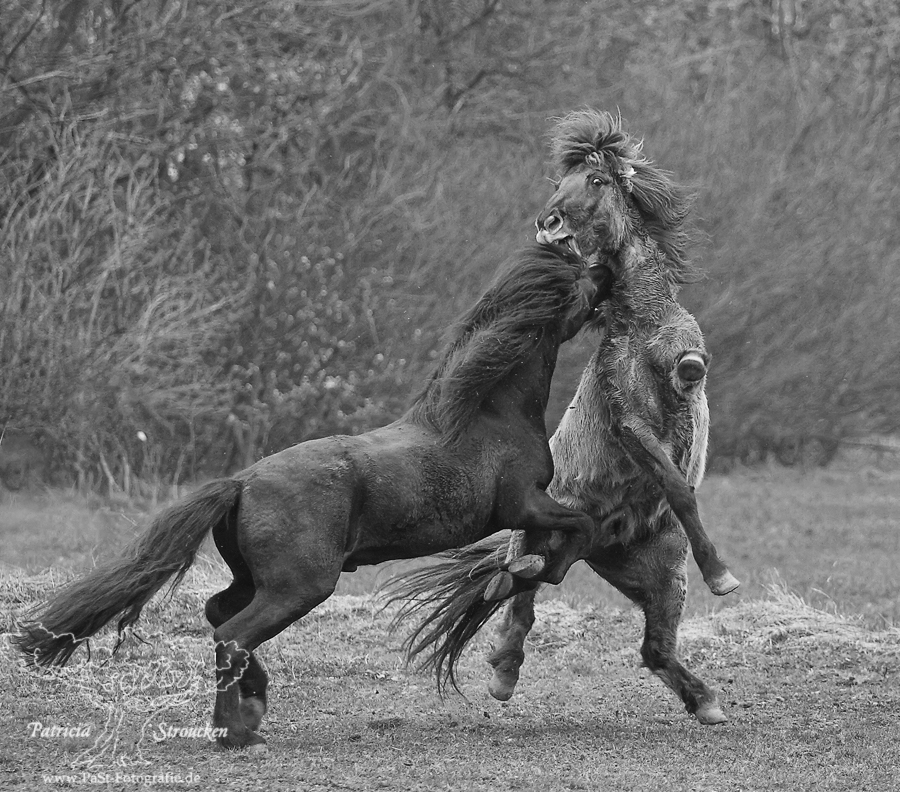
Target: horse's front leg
(647,452)
(509,654)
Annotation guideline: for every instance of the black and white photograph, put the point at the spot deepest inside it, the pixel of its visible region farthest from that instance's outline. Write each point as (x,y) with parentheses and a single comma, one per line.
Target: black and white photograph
(454,395)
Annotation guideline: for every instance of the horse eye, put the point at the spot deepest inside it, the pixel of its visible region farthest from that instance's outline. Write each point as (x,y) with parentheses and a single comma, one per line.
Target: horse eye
(597,181)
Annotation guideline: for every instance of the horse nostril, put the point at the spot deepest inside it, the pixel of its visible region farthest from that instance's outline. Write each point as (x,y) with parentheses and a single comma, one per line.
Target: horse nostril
(553,222)
(691,368)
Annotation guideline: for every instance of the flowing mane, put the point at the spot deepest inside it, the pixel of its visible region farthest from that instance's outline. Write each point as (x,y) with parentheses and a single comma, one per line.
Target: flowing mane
(662,204)
(527,298)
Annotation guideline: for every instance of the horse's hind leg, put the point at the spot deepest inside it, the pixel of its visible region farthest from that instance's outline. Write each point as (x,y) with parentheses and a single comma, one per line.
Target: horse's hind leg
(270,612)
(653,574)
(228,603)
(509,654)
(294,563)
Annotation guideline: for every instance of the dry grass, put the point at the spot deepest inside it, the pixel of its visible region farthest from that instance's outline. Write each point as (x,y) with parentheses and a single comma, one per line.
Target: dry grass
(812,694)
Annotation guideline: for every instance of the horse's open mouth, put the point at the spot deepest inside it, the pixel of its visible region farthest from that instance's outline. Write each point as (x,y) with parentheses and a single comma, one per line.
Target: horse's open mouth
(570,243)
(558,236)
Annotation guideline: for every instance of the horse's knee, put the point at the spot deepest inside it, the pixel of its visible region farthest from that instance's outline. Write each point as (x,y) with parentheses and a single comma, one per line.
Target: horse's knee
(658,652)
(651,656)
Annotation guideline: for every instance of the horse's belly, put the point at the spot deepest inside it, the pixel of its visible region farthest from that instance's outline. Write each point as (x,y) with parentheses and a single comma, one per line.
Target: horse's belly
(623,512)
(596,475)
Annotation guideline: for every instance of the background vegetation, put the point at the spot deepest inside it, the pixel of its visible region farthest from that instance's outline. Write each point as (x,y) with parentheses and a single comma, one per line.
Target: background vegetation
(228,227)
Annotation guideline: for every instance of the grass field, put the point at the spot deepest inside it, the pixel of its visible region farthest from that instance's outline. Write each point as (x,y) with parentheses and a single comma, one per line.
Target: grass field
(806,659)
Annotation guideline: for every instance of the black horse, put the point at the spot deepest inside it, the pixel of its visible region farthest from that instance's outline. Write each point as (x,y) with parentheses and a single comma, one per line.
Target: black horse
(630,449)
(468,459)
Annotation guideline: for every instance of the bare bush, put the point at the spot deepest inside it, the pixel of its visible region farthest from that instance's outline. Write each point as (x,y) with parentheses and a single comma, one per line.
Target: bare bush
(231,230)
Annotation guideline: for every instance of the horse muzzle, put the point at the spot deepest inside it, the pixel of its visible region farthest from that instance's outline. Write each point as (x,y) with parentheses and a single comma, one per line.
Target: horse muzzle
(553,229)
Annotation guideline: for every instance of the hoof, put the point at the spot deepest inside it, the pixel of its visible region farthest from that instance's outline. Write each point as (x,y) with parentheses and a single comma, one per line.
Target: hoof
(500,587)
(710,715)
(257,749)
(248,741)
(503,684)
(723,584)
(528,566)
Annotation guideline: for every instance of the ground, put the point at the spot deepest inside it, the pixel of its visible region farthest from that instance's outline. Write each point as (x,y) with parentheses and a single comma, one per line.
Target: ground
(806,660)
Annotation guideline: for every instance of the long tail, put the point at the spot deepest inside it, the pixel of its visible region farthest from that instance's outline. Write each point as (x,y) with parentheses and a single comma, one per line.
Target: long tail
(450,594)
(126,584)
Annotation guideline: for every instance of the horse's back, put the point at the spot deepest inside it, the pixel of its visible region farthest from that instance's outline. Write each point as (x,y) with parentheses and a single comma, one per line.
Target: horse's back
(318,475)
(310,488)
(421,496)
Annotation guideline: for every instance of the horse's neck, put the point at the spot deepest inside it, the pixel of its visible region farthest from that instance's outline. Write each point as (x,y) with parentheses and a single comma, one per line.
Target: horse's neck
(642,293)
(526,390)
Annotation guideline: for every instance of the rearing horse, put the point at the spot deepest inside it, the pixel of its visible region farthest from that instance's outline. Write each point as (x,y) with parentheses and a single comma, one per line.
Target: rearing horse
(629,450)
(468,459)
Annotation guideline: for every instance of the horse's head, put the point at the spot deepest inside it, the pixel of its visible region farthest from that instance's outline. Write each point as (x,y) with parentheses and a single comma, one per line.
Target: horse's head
(588,210)
(608,189)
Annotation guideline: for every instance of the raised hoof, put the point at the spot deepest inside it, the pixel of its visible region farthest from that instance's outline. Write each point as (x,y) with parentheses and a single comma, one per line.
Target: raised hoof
(723,584)
(500,587)
(503,684)
(528,566)
(710,715)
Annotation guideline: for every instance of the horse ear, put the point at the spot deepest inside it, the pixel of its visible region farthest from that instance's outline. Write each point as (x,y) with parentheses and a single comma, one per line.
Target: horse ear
(626,174)
(630,156)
